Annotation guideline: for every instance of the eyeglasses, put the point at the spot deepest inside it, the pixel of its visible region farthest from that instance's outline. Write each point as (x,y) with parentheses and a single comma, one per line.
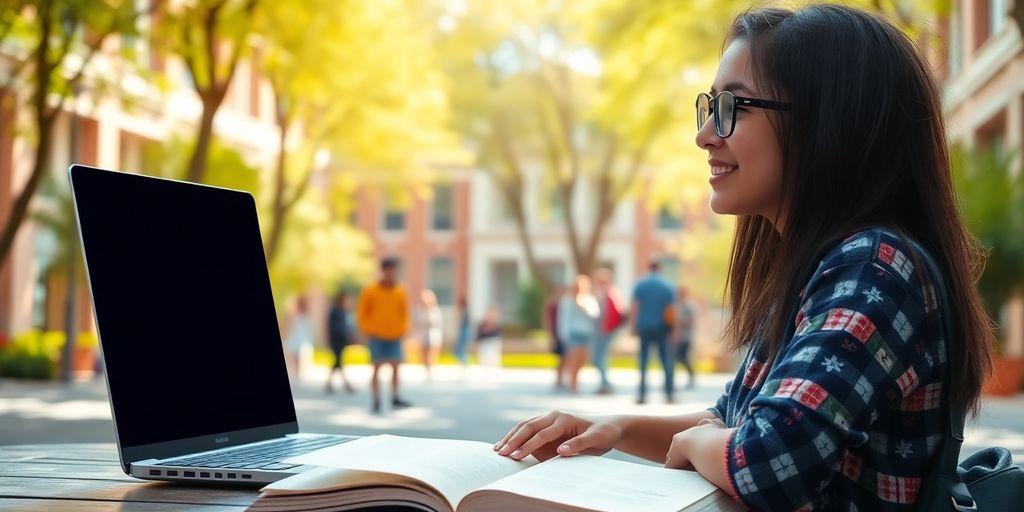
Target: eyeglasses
(723,108)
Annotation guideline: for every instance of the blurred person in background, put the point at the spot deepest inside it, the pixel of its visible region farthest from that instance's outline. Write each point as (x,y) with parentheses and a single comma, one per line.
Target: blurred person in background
(652,299)
(550,320)
(298,338)
(463,336)
(427,327)
(488,341)
(577,325)
(383,315)
(684,317)
(340,335)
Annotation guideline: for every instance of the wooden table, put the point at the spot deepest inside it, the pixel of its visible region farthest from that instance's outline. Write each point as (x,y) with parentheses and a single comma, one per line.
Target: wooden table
(89,477)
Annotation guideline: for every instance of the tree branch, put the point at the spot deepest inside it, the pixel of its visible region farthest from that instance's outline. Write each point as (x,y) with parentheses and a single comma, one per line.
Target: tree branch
(238,47)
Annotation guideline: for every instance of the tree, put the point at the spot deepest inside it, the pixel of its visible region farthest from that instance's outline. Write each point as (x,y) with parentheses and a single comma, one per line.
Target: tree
(365,90)
(594,95)
(211,37)
(51,31)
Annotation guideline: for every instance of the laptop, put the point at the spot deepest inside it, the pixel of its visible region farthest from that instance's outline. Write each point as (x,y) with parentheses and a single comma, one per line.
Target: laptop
(188,332)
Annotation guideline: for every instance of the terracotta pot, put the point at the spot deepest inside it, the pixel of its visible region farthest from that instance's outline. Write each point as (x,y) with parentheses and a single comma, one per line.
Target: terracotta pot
(83,360)
(1007,374)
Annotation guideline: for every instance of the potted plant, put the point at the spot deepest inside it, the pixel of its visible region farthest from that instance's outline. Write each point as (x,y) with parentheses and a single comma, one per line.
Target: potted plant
(992,200)
(29,355)
(83,361)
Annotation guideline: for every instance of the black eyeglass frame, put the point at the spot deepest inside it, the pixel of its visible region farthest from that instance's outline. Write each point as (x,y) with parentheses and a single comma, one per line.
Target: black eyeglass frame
(738,101)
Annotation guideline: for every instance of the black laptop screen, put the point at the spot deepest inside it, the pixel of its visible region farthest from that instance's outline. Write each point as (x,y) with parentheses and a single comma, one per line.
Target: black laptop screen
(184,307)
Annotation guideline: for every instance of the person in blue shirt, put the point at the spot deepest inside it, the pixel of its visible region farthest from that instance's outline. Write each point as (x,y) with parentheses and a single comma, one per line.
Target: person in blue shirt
(652,295)
(825,137)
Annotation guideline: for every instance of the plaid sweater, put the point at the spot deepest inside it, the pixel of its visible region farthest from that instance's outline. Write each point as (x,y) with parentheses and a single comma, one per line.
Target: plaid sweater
(849,416)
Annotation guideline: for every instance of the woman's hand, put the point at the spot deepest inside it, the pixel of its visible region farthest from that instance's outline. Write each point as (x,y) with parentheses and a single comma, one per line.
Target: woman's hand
(702,448)
(680,452)
(558,433)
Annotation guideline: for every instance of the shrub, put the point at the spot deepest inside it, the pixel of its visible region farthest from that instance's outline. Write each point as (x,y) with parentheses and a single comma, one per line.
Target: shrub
(531,305)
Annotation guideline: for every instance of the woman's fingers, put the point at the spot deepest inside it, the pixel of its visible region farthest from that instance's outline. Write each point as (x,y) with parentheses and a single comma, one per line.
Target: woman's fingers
(580,444)
(511,432)
(523,431)
(711,421)
(542,438)
(676,457)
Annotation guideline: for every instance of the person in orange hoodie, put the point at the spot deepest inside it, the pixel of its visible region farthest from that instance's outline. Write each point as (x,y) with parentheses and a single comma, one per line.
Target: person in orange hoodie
(383,316)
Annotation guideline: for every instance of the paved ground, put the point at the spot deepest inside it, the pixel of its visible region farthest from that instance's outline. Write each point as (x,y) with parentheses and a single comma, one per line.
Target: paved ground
(478,407)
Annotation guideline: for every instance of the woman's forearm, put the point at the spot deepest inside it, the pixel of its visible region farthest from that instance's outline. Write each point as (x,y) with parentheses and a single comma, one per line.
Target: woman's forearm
(649,437)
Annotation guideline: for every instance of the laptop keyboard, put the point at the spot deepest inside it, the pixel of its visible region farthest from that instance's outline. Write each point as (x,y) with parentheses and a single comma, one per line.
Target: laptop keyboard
(267,456)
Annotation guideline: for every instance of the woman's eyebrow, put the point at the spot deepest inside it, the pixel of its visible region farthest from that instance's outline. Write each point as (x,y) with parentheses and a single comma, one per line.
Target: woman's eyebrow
(733,87)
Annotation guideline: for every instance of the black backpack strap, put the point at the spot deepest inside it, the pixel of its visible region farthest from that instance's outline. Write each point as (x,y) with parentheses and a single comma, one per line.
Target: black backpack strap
(949,456)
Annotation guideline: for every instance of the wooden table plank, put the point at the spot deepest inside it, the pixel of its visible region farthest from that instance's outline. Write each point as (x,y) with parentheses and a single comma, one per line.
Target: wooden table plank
(54,469)
(41,476)
(44,505)
(82,487)
(105,452)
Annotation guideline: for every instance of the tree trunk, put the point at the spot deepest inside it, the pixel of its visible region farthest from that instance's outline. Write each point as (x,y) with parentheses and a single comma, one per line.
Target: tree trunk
(201,152)
(523,230)
(280,208)
(513,193)
(70,317)
(20,209)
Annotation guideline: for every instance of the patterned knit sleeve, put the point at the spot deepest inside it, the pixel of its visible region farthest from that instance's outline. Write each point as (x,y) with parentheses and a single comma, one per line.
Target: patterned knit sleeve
(719,409)
(852,355)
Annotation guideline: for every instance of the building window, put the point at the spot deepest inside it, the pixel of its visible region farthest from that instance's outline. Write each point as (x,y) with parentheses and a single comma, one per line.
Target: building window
(997,12)
(982,22)
(669,220)
(956,41)
(443,215)
(394,220)
(441,279)
(505,288)
(555,271)
(553,210)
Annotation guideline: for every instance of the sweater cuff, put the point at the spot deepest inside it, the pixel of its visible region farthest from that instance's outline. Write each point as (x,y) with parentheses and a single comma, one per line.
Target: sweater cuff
(732,490)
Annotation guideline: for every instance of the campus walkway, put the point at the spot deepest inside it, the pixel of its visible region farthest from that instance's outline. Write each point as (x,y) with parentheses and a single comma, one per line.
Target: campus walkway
(478,407)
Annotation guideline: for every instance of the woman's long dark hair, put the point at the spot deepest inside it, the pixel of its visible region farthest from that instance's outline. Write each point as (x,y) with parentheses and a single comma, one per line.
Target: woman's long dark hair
(863,145)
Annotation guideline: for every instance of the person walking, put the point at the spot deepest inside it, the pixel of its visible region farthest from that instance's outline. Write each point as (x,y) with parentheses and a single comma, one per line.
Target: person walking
(461,348)
(298,339)
(608,322)
(427,324)
(652,295)
(577,324)
(488,341)
(550,320)
(339,335)
(383,315)
(684,314)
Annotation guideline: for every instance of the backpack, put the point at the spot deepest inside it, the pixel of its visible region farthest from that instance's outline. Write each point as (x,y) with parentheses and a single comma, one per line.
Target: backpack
(613,317)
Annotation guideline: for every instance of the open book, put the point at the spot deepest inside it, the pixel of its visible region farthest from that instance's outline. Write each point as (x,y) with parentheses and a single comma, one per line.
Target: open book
(464,476)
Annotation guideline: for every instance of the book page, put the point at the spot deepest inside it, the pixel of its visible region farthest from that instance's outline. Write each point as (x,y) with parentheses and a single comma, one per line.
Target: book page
(600,483)
(452,467)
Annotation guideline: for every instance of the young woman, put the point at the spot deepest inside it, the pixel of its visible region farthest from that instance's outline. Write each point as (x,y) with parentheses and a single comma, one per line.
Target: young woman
(824,134)
(427,325)
(577,326)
